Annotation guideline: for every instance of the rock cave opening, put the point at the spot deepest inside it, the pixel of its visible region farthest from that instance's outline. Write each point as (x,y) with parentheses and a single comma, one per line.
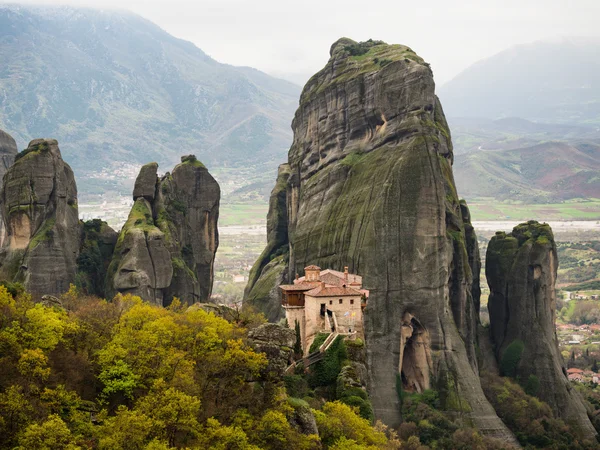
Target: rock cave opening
(415,355)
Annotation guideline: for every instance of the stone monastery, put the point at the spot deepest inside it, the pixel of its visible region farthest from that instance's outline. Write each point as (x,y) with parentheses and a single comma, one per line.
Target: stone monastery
(325,301)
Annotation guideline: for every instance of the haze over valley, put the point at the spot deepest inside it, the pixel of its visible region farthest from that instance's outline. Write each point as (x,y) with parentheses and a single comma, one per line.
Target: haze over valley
(317,226)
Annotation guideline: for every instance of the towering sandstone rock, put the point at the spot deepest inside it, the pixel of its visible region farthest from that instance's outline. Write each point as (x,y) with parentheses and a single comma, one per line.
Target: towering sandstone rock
(270,270)
(167,246)
(39,211)
(521,272)
(8,151)
(371,187)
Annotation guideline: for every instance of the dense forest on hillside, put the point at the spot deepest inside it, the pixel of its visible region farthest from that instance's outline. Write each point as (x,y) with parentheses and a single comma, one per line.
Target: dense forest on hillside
(80,373)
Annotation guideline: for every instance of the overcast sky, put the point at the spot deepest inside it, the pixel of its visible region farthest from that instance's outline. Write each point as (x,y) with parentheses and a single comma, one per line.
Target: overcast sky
(292,38)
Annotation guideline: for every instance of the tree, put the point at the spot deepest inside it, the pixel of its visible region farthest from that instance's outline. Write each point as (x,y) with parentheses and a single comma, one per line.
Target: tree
(127,429)
(298,343)
(173,411)
(52,434)
(511,358)
(337,420)
(595,366)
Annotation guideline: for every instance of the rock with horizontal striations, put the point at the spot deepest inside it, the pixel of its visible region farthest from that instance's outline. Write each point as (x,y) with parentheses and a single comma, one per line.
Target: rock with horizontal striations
(39,208)
(521,271)
(167,247)
(145,183)
(371,188)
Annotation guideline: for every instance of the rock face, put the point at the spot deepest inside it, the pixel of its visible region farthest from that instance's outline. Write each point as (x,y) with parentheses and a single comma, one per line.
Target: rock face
(371,188)
(39,209)
(8,151)
(96,249)
(276,342)
(167,246)
(521,272)
(270,270)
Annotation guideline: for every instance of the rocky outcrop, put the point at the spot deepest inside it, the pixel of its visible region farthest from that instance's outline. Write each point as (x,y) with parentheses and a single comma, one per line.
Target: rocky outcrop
(276,342)
(166,248)
(270,270)
(521,271)
(96,249)
(8,151)
(39,209)
(371,188)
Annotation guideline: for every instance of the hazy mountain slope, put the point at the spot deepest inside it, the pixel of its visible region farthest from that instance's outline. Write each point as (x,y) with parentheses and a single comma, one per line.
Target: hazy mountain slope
(550,81)
(473,134)
(113,87)
(545,172)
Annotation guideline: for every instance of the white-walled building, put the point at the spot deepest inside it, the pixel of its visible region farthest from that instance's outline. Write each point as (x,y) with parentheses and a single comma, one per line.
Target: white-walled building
(320,300)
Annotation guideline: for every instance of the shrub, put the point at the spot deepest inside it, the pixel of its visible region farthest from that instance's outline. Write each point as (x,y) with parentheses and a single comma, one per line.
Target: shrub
(511,358)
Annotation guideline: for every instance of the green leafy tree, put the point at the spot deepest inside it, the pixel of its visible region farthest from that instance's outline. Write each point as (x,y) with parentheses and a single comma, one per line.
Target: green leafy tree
(52,434)
(174,412)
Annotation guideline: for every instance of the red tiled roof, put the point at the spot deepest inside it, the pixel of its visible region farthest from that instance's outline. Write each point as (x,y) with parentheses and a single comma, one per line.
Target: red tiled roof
(304,286)
(574,370)
(312,267)
(333,291)
(335,277)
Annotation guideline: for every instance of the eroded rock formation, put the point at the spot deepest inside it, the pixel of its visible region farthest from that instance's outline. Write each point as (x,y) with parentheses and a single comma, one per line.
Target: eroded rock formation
(371,187)
(270,270)
(8,151)
(39,209)
(96,249)
(166,248)
(521,271)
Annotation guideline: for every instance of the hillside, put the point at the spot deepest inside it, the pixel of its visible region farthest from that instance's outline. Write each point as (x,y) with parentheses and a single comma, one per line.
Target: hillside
(556,81)
(546,172)
(115,89)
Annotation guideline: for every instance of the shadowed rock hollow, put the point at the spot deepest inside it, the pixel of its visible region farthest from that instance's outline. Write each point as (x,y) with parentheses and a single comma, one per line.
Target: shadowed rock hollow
(39,209)
(371,187)
(521,271)
(167,246)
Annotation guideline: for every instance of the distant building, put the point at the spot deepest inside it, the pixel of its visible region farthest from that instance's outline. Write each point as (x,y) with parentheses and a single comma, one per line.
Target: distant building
(239,278)
(575,377)
(324,302)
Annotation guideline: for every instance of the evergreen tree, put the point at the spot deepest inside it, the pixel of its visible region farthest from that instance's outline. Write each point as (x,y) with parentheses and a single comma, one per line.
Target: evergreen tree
(298,344)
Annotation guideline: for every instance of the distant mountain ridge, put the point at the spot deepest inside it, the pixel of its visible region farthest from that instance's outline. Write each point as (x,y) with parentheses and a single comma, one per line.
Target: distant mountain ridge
(552,81)
(546,172)
(112,87)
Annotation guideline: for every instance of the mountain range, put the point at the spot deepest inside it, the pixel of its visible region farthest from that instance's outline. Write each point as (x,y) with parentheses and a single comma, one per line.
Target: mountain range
(549,81)
(116,89)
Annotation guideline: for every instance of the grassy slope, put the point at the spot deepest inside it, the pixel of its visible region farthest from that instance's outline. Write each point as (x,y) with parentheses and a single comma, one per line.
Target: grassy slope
(549,172)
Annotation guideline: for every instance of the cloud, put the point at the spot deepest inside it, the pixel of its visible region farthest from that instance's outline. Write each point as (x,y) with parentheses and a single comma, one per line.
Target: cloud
(294,37)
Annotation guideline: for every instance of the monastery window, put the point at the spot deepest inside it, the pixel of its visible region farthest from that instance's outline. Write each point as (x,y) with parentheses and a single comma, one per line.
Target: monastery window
(352,301)
(331,302)
(341,301)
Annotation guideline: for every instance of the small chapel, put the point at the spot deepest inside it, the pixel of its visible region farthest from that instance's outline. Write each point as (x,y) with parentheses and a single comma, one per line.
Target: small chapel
(325,301)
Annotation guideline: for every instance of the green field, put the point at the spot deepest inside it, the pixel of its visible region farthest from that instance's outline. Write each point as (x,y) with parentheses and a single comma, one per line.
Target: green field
(243,214)
(579,209)
(255,213)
